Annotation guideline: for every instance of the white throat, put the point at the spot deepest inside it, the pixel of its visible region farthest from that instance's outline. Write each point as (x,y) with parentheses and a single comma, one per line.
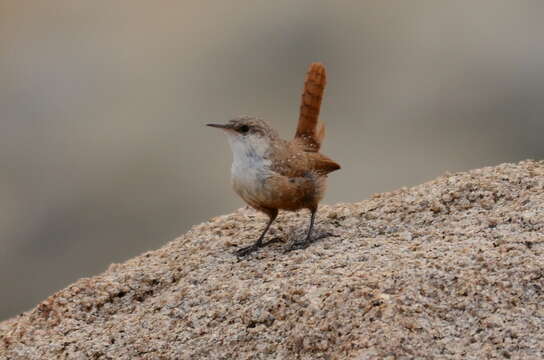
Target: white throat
(248,156)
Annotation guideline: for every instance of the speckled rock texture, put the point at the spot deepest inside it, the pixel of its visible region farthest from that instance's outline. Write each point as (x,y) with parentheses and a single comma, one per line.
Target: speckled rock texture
(451,269)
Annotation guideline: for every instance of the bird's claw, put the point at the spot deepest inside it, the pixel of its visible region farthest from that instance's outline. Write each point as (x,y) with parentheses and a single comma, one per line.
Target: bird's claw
(246,250)
(308,241)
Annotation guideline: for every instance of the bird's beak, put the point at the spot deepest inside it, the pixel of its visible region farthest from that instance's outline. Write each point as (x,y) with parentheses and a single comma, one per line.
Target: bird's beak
(221,126)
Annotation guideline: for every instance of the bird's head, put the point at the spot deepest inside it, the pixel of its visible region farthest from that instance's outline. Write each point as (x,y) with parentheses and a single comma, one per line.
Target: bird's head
(248,135)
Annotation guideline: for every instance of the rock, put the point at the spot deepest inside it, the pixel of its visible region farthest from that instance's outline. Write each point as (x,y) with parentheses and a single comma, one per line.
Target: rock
(453,268)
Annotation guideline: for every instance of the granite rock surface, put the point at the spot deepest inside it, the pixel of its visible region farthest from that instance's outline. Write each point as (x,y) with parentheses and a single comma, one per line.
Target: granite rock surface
(452,269)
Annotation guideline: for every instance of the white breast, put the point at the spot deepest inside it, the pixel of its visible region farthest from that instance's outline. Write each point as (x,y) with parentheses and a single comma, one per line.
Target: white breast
(249,168)
(247,179)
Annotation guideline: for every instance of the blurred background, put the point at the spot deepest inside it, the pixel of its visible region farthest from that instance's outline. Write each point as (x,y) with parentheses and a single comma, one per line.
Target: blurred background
(103,149)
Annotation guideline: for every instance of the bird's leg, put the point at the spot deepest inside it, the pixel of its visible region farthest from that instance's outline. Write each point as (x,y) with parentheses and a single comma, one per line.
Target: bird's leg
(309,236)
(259,243)
(308,240)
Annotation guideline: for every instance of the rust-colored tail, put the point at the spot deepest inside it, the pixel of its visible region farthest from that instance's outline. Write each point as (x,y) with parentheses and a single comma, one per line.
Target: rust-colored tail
(310,133)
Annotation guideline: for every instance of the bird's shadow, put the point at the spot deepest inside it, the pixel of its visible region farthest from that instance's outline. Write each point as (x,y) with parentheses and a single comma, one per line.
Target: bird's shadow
(245,251)
(289,238)
(318,236)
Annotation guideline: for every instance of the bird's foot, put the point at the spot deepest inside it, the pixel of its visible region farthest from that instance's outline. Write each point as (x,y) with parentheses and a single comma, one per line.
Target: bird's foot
(247,250)
(252,248)
(299,245)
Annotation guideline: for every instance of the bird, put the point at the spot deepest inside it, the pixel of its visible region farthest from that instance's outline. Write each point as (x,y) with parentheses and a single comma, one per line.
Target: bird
(272,174)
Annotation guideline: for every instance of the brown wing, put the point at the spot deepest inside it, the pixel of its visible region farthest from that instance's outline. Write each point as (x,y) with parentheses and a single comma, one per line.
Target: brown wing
(300,175)
(322,164)
(310,133)
(293,161)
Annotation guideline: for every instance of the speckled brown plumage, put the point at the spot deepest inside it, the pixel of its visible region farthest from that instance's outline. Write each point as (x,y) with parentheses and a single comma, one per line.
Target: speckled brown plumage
(272,174)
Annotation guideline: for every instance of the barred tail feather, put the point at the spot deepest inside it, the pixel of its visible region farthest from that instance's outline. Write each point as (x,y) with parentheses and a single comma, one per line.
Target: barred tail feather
(309,133)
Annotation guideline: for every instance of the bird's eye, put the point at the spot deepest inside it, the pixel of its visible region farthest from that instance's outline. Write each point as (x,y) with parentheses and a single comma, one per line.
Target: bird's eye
(244,129)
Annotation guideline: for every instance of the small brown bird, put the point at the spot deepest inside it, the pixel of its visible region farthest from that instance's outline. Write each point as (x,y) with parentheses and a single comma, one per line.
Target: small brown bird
(273,174)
